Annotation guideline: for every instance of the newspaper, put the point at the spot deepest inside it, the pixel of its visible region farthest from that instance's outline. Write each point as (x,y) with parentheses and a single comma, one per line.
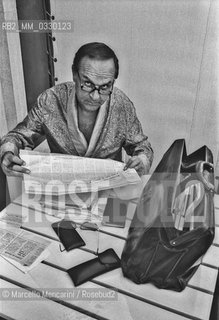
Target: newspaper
(25,268)
(63,174)
(77,207)
(22,248)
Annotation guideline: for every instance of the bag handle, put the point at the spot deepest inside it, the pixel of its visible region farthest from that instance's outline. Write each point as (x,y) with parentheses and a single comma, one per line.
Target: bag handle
(188,236)
(182,206)
(203,170)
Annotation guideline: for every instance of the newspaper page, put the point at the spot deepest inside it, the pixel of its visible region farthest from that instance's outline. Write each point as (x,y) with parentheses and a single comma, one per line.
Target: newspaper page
(25,268)
(80,207)
(63,174)
(20,246)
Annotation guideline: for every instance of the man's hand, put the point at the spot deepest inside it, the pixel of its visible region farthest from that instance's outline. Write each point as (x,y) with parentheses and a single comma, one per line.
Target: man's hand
(12,165)
(137,163)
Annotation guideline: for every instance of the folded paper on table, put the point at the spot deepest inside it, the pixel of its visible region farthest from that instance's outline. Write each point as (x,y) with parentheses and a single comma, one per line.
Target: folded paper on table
(24,268)
(22,248)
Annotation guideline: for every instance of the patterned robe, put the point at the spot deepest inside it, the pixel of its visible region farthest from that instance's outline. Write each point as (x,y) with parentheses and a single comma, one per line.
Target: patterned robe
(55,116)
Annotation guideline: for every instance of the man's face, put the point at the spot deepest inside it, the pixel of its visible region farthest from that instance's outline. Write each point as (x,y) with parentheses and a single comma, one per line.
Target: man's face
(93,72)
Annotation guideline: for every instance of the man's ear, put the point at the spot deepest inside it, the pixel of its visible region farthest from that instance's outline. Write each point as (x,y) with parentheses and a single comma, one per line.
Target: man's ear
(74,73)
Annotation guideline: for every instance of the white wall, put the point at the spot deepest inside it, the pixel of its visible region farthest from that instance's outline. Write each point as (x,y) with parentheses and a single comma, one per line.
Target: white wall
(13,106)
(168,61)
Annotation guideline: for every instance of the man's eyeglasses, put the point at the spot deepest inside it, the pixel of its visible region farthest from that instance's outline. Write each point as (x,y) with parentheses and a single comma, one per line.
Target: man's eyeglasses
(105,89)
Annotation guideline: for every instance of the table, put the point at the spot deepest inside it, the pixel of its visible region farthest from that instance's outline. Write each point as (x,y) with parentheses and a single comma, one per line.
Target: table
(132,301)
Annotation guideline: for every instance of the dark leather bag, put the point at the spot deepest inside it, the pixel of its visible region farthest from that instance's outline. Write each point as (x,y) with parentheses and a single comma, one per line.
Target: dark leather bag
(173,225)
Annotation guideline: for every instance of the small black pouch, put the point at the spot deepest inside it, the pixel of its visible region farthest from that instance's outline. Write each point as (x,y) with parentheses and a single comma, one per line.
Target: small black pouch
(104,262)
(68,235)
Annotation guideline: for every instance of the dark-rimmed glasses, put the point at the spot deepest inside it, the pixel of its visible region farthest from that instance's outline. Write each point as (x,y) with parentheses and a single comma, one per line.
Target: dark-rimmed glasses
(104,89)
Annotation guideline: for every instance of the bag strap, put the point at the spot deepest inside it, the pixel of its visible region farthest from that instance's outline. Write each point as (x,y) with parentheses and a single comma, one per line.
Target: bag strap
(188,236)
(203,170)
(184,200)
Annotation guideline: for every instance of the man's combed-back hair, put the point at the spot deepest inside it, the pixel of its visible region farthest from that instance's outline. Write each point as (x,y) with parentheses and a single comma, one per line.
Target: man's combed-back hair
(98,51)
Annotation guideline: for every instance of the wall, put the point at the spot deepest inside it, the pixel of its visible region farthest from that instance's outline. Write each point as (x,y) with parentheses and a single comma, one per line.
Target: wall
(168,61)
(36,50)
(12,93)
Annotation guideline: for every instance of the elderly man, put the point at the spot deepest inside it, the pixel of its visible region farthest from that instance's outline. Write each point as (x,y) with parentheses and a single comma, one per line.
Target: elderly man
(88,118)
